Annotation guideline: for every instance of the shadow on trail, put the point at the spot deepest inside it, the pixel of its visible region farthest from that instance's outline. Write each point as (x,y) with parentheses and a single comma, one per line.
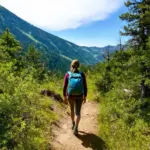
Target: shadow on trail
(92,141)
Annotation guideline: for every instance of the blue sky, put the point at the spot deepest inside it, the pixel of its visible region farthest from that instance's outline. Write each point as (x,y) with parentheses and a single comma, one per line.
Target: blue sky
(99,33)
(83,22)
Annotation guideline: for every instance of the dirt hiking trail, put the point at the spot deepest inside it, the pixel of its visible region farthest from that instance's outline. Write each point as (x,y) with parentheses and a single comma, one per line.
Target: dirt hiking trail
(87,139)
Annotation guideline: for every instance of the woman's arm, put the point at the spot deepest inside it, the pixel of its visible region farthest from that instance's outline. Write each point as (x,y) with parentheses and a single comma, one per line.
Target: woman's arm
(65,85)
(84,85)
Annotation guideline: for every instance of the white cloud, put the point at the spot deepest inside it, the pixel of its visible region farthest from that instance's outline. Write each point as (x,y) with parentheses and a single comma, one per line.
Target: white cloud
(62,14)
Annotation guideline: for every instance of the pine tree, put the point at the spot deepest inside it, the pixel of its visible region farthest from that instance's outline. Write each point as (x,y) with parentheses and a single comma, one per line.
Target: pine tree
(138,22)
(34,59)
(9,45)
(139,29)
(33,56)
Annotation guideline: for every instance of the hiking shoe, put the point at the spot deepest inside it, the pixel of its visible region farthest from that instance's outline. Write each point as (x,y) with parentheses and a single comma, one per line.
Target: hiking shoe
(75,130)
(73,125)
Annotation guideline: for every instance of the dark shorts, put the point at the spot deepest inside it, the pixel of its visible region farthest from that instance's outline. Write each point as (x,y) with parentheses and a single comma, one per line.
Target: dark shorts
(75,103)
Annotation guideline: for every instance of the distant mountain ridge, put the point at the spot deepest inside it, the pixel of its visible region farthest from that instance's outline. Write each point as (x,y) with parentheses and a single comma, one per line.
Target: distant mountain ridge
(50,44)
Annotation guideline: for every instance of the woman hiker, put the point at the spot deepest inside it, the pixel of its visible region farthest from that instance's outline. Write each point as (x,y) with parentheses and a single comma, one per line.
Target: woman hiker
(75,92)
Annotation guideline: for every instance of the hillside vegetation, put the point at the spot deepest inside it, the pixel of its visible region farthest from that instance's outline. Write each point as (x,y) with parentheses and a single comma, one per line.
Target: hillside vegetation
(123,84)
(25,115)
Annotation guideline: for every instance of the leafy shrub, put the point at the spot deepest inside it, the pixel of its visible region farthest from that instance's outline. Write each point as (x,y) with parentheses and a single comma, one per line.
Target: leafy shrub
(25,116)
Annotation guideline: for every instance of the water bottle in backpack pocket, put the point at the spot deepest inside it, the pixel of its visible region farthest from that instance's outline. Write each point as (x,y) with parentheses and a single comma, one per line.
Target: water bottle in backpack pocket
(75,83)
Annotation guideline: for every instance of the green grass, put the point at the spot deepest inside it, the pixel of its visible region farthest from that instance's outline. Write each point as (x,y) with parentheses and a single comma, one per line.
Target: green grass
(123,125)
(29,36)
(53,44)
(93,94)
(55,84)
(66,57)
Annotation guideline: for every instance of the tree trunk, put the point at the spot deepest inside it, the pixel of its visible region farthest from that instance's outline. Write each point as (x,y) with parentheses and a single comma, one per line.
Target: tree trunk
(142,89)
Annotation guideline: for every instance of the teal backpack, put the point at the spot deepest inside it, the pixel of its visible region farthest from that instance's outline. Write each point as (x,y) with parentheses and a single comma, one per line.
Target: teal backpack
(75,83)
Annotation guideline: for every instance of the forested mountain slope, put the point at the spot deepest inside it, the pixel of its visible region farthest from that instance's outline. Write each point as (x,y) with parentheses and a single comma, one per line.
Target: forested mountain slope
(53,47)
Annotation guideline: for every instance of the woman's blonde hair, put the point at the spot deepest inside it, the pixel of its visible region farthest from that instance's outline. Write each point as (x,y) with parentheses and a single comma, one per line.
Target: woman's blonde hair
(74,65)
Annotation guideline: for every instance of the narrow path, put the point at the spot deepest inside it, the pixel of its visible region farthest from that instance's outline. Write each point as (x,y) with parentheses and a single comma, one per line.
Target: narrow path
(87,138)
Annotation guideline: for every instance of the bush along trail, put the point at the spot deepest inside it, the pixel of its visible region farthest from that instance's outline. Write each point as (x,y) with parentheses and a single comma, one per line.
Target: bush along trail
(87,138)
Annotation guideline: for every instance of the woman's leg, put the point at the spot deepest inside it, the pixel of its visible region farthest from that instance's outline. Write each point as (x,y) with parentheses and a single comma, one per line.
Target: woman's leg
(78,104)
(71,103)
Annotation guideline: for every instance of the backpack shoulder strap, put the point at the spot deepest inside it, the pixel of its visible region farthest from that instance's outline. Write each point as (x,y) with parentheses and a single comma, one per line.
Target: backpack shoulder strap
(81,73)
(69,72)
